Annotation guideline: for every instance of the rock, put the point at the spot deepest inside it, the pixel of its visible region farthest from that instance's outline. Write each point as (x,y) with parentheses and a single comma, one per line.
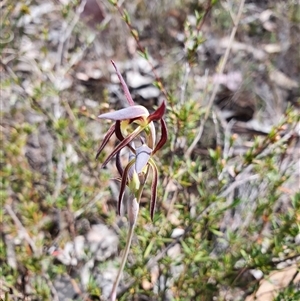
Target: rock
(135,80)
(65,289)
(148,92)
(102,241)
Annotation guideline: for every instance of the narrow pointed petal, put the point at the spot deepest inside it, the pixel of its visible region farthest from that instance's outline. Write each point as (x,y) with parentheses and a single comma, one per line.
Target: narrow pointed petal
(143,154)
(106,139)
(164,136)
(122,144)
(118,164)
(118,131)
(132,112)
(153,188)
(123,184)
(158,113)
(120,136)
(124,85)
(122,191)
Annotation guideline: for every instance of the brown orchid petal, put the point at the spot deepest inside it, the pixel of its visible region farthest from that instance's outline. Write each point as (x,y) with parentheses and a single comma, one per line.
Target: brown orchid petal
(105,139)
(143,154)
(163,138)
(120,136)
(124,86)
(118,164)
(153,187)
(132,112)
(158,113)
(118,131)
(123,184)
(122,144)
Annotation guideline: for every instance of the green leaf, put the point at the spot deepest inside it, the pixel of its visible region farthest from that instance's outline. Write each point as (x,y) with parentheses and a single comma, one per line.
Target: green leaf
(217,232)
(200,258)
(126,16)
(244,254)
(186,249)
(148,249)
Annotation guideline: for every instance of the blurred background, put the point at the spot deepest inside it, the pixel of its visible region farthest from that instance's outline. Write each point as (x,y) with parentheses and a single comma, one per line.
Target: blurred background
(227,222)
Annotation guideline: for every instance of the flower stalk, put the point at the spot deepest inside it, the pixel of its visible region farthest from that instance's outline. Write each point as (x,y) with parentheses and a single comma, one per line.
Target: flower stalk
(133,207)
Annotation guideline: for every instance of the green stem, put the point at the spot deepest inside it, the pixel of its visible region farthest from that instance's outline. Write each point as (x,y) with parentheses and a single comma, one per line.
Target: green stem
(113,294)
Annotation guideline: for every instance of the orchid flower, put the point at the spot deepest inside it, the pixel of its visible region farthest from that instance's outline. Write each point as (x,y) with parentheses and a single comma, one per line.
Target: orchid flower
(125,120)
(134,123)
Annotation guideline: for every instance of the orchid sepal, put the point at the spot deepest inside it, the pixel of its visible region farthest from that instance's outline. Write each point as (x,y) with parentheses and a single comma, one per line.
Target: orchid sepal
(158,113)
(153,187)
(106,139)
(122,144)
(163,138)
(132,112)
(124,86)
